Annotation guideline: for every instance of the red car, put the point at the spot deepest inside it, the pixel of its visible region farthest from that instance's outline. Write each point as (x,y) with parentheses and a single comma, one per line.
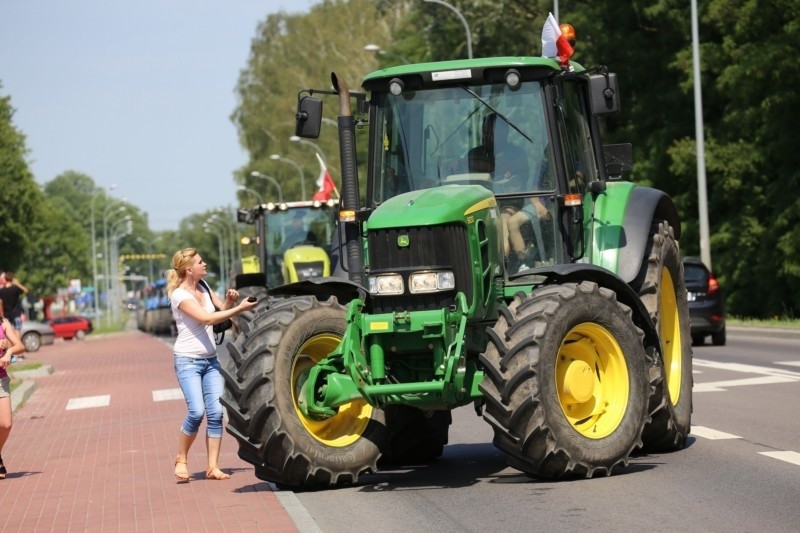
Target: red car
(67,327)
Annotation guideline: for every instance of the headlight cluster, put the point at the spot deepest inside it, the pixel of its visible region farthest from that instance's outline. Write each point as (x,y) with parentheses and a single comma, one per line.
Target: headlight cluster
(419,282)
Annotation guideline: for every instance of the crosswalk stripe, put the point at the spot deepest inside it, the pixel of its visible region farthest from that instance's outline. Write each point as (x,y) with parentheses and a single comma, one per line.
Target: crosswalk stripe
(167,394)
(789,457)
(88,402)
(712,434)
(788,363)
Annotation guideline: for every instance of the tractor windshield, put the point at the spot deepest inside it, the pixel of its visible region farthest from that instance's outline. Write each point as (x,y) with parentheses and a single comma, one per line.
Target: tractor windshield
(299,225)
(485,134)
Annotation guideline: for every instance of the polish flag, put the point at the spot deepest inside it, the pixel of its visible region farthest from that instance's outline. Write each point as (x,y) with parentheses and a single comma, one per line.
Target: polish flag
(554,44)
(324,182)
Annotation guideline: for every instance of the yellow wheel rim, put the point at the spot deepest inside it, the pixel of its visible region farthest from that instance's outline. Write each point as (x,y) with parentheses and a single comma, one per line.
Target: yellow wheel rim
(670,333)
(592,380)
(351,420)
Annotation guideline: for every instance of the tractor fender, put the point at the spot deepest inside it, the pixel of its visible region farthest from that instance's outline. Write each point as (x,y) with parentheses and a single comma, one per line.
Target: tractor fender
(577,272)
(322,288)
(644,206)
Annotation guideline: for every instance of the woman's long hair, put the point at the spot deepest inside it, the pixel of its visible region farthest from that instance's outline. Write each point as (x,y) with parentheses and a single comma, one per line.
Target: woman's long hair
(181,261)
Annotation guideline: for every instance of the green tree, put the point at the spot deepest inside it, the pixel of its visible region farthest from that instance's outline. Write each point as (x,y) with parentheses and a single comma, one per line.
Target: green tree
(20,198)
(290,53)
(752,112)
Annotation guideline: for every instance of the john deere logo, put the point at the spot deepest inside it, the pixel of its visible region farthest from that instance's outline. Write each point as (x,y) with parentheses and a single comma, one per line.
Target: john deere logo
(402,241)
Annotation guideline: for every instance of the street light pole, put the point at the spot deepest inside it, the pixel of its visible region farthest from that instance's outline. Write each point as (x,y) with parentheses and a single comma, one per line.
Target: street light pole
(222,256)
(106,264)
(257,174)
(229,218)
(278,157)
(253,192)
(702,199)
(115,293)
(315,146)
(461,18)
(94,253)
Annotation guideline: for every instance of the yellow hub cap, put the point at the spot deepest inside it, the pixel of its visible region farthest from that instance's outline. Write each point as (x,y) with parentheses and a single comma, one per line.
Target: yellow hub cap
(349,423)
(670,333)
(592,380)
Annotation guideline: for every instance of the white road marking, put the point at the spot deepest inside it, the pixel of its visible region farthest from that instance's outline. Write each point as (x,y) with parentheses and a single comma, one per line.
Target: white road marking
(789,457)
(711,434)
(167,394)
(770,376)
(88,402)
(788,363)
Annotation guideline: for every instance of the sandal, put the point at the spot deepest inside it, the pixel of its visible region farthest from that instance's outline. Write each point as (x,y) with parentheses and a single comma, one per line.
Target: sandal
(181,476)
(217,474)
(3,470)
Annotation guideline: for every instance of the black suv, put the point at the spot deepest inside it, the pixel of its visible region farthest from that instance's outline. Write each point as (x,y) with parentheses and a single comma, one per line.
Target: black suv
(706,305)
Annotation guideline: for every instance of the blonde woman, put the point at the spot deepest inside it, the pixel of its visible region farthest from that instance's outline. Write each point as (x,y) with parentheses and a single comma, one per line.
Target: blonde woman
(10,344)
(196,364)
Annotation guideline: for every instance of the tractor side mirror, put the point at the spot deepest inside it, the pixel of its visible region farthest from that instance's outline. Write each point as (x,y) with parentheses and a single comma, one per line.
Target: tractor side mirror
(308,117)
(604,94)
(244,216)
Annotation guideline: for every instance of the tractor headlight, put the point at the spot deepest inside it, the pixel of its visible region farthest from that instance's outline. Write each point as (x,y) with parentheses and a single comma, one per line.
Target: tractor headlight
(421,282)
(386,284)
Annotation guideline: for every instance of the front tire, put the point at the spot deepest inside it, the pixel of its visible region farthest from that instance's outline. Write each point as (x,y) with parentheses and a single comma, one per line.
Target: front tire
(32,341)
(718,338)
(566,381)
(268,363)
(662,289)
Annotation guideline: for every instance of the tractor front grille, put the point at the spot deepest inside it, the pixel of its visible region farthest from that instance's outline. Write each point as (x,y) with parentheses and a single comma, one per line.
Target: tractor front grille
(429,248)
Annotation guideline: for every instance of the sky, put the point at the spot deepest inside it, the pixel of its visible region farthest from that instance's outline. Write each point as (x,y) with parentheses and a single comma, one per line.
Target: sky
(137,95)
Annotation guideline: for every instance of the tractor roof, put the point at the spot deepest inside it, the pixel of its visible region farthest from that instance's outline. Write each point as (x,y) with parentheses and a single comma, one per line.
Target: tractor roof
(461,70)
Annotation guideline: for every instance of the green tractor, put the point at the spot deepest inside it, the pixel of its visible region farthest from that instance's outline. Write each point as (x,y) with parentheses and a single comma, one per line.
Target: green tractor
(499,260)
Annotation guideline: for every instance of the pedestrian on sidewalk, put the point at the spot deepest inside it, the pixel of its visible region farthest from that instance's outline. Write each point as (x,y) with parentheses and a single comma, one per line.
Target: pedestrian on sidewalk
(10,345)
(11,294)
(196,364)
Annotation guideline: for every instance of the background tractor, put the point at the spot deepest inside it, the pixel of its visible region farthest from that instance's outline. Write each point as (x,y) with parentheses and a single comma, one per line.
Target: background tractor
(500,260)
(293,243)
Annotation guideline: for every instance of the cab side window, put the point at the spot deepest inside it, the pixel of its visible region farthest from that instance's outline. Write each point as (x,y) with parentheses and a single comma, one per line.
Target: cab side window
(576,137)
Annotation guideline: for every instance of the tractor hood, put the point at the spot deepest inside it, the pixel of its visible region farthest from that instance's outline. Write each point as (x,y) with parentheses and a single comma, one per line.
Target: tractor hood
(430,207)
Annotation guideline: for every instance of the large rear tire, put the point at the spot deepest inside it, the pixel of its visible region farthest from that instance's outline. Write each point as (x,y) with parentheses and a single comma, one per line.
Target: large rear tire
(268,363)
(662,289)
(566,381)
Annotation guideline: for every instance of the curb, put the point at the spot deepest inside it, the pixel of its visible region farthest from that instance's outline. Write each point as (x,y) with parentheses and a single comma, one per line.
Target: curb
(21,394)
(42,371)
(776,332)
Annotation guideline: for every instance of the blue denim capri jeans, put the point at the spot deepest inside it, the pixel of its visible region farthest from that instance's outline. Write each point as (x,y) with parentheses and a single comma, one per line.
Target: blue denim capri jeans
(202,385)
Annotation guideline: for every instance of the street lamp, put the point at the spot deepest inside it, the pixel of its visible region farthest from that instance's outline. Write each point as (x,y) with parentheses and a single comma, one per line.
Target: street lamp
(257,174)
(253,192)
(115,296)
(278,157)
(94,252)
(228,217)
(461,18)
(315,146)
(208,225)
(372,47)
(106,264)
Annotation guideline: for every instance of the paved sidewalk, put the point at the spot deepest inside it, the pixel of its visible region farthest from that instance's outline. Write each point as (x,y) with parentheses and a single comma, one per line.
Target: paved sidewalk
(92,450)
